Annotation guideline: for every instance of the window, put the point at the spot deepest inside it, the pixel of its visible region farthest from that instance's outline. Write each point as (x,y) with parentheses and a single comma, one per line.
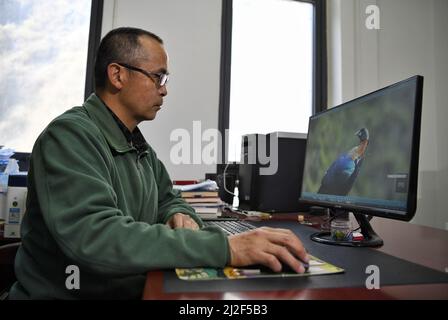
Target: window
(270,52)
(43,58)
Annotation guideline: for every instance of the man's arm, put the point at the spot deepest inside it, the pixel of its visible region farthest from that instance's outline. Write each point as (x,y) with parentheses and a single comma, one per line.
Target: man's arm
(79,206)
(267,246)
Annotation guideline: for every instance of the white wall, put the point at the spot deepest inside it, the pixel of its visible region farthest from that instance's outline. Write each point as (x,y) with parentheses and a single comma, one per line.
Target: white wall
(191,31)
(441,101)
(412,40)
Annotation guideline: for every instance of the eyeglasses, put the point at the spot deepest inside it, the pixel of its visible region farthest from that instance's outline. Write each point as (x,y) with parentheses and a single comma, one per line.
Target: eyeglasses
(162,78)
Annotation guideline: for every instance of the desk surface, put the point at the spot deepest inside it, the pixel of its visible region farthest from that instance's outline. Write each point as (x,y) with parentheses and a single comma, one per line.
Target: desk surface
(418,244)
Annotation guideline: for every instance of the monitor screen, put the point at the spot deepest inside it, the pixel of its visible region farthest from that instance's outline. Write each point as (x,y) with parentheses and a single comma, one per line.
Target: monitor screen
(362,156)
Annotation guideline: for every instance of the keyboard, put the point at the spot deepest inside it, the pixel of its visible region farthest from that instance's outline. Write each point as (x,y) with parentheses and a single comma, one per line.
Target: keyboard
(231,227)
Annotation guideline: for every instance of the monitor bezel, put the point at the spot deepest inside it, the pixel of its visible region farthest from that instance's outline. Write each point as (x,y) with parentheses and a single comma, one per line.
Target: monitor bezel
(404,215)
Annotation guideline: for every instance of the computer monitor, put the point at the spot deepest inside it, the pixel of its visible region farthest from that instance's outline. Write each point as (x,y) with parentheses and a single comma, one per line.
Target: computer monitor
(362,157)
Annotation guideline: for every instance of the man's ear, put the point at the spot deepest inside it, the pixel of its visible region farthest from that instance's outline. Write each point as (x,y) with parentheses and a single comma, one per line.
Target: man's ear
(116,75)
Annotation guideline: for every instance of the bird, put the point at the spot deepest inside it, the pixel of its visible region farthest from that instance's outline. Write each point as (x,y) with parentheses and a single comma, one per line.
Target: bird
(341,175)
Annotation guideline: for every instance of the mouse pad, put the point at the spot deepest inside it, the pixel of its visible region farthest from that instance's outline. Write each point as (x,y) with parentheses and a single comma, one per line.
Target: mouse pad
(316,267)
(354,261)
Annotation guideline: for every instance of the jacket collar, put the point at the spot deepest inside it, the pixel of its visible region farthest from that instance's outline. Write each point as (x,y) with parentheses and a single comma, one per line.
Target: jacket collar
(106,123)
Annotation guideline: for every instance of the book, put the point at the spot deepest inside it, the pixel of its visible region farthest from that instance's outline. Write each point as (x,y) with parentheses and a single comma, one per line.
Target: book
(205,210)
(207,204)
(209,216)
(199,194)
(203,200)
(184,182)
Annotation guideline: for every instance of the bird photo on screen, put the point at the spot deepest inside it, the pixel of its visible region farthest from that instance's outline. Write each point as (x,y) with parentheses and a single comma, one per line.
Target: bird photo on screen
(341,175)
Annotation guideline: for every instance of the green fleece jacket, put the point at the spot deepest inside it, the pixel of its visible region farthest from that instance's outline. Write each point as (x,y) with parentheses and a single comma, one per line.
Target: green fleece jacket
(95,203)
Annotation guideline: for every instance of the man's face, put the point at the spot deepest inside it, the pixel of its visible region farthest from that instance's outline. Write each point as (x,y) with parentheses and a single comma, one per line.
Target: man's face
(141,95)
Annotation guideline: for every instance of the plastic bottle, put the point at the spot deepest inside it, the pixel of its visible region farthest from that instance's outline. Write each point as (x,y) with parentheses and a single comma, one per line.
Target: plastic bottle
(3,187)
(236,199)
(341,227)
(3,175)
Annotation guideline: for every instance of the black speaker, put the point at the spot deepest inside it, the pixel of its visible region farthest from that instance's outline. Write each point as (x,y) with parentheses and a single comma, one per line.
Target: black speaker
(274,185)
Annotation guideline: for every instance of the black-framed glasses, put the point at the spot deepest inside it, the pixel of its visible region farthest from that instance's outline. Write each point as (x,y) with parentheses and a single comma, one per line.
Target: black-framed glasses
(162,78)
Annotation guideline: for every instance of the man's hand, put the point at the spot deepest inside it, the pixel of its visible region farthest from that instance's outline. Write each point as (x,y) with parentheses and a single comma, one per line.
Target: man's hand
(180,220)
(269,247)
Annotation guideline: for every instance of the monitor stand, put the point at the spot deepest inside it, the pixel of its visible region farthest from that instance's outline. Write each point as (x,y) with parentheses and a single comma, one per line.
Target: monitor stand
(371,239)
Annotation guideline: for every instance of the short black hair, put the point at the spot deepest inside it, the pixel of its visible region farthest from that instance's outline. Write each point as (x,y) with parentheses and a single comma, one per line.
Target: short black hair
(119,45)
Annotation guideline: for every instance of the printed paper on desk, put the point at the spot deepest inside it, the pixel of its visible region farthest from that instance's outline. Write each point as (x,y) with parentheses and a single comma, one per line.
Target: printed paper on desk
(208,185)
(317,267)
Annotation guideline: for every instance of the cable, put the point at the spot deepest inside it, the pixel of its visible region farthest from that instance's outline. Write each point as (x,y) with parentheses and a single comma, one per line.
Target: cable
(224,178)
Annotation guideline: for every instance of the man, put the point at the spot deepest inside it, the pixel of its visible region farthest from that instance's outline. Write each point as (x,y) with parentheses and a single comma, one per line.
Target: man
(101,203)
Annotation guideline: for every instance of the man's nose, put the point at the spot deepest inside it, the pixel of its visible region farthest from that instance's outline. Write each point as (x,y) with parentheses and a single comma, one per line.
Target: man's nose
(163,91)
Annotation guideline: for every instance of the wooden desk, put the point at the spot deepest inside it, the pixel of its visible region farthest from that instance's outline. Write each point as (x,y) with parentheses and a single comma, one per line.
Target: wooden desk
(418,244)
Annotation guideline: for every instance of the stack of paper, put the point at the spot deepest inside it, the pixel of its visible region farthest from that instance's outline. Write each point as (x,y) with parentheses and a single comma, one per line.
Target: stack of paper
(203,197)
